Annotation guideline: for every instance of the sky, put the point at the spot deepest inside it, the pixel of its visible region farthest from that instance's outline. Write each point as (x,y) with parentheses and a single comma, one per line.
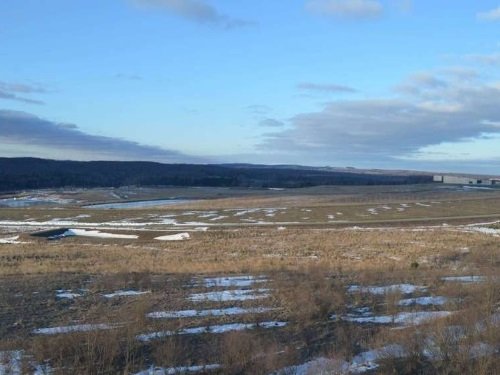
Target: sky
(391,84)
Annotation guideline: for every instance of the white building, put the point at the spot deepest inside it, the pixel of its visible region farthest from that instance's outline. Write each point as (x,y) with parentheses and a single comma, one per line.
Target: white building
(466,180)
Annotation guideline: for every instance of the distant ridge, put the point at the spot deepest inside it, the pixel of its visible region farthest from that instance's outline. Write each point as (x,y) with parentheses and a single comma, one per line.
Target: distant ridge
(33,173)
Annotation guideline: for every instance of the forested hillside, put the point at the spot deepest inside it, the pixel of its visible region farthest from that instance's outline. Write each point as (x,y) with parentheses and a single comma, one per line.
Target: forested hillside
(32,173)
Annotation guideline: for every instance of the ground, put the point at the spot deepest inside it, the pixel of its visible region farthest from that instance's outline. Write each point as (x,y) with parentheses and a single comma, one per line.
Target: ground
(382,279)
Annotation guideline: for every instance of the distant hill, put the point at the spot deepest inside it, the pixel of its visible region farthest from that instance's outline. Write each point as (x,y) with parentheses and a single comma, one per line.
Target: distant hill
(33,173)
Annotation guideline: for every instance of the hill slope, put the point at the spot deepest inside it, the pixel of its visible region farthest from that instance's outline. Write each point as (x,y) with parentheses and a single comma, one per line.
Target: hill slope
(32,173)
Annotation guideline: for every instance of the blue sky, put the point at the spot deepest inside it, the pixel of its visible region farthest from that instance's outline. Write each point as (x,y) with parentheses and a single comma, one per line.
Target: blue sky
(364,83)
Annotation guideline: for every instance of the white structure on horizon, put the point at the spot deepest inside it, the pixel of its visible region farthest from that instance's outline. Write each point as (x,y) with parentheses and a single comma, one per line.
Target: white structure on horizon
(466,180)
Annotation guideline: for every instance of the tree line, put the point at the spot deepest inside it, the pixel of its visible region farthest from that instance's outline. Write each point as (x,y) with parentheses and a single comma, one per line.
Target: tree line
(33,173)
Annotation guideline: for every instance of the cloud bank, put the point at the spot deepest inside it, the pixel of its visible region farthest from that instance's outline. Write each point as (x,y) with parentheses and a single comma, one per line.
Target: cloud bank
(428,109)
(23,134)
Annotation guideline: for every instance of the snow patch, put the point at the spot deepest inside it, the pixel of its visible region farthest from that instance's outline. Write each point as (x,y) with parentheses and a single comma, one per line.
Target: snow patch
(11,362)
(221,217)
(230,295)
(94,234)
(464,279)
(367,361)
(422,204)
(215,329)
(423,301)
(380,290)
(179,370)
(233,281)
(361,363)
(207,215)
(402,318)
(494,232)
(67,294)
(204,313)
(174,237)
(319,365)
(72,329)
(11,241)
(125,293)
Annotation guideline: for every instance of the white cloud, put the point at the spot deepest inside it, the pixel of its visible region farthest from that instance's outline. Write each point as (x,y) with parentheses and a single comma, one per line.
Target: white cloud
(481,148)
(487,59)
(23,134)
(345,8)
(490,15)
(259,109)
(405,6)
(419,83)
(11,91)
(271,122)
(21,87)
(197,11)
(431,109)
(325,87)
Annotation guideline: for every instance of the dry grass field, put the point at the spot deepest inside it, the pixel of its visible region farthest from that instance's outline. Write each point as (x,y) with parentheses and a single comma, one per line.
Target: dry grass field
(334,281)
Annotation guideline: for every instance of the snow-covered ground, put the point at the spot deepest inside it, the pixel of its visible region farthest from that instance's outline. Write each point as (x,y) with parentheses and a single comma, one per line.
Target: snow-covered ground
(233,281)
(424,301)
(464,279)
(380,290)
(174,237)
(214,329)
(221,217)
(230,295)
(423,204)
(179,370)
(492,231)
(402,318)
(15,362)
(361,363)
(204,313)
(368,361)
(319,365)
(14,240)
(67,294)
(126,293)
(11,362)
(72,329)
(95,234)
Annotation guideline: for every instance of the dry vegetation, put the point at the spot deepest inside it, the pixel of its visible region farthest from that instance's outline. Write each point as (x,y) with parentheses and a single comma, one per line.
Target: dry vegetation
(308,274)
(252,250)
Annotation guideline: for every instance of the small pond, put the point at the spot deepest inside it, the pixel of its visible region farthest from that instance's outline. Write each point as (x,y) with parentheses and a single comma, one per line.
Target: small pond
(139,204)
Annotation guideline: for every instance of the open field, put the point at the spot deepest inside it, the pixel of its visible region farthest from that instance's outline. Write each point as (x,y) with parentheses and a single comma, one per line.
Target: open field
(369,280)
(323,207)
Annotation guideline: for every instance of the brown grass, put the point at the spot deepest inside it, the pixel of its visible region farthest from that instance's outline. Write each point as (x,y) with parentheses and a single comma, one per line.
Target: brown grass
(309,271)
(253,250)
